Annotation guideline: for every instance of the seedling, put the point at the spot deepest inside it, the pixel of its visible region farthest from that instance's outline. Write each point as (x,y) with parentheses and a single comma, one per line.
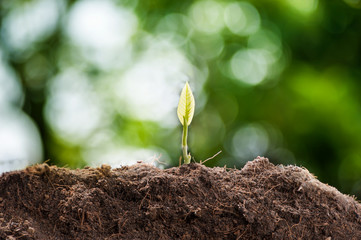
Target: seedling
(185,114)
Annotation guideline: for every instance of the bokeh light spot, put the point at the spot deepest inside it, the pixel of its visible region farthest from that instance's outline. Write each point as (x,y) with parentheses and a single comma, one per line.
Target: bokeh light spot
(10,90)
(73,109)
(250,66)
(209,46)
(249,142)
(31,22)
(175,28)
(266,40)
(101,29)
(20,141)
(304,6)
(207,16)
(242,18)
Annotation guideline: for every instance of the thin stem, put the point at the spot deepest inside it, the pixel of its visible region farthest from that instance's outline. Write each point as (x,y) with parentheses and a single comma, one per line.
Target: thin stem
(186,156)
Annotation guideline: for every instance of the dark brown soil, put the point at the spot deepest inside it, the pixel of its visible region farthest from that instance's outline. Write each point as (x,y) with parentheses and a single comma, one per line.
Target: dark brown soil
(261,201)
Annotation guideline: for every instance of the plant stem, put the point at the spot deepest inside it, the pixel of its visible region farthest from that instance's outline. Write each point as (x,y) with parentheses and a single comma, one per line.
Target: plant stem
(186,156)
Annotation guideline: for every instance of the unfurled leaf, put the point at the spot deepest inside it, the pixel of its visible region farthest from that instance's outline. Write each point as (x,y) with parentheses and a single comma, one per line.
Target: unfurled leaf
(186,105)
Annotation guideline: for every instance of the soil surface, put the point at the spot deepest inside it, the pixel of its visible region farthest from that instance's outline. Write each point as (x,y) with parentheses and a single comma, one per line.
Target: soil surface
(260,201)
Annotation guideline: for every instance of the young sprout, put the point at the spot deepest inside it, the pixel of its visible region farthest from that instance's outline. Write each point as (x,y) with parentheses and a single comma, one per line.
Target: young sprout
(185,114)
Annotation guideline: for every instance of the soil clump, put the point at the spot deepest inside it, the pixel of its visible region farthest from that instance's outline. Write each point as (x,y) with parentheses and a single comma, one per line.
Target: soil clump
(260,201)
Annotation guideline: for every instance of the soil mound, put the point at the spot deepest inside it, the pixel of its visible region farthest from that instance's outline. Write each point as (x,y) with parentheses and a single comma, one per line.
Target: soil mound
(261,201)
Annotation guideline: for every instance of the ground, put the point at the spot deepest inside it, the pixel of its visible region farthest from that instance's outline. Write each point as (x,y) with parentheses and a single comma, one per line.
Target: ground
(260,201)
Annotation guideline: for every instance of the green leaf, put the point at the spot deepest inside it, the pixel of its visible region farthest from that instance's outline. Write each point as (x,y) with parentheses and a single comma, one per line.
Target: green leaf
(186,105)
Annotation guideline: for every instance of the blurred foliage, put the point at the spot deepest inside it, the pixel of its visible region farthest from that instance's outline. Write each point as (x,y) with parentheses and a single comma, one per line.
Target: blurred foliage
(101,80)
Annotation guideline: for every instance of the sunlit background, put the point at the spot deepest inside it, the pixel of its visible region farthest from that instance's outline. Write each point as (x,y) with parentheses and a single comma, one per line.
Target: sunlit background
(97,81)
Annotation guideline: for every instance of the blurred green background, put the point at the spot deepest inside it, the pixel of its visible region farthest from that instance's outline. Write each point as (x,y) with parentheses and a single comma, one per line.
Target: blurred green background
(98,81)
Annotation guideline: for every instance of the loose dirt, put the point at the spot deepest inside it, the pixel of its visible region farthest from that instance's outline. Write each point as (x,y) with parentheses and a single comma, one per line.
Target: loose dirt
(260,201)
